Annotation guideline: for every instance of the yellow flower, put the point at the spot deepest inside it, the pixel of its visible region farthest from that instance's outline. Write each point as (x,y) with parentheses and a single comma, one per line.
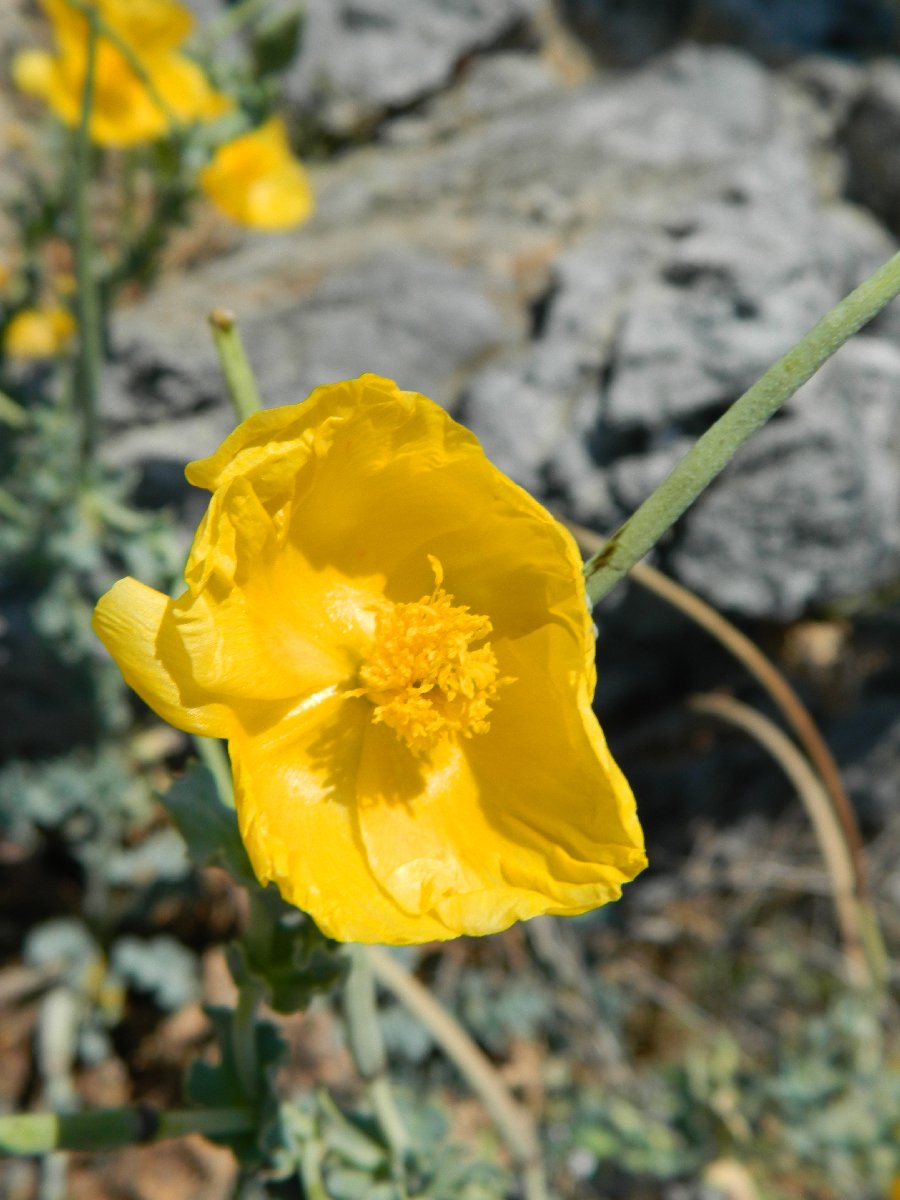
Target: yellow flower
(38,332)
(394,639)
(123,109)
(256,180)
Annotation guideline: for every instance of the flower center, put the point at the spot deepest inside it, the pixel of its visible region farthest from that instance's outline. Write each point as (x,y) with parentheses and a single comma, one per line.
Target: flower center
(423,675)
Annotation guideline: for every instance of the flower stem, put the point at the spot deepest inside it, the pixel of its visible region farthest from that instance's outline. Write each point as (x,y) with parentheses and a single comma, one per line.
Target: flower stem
(88,304)
(235,367)
(244,1037)
(367,1048)
(715,448)
(110,1128)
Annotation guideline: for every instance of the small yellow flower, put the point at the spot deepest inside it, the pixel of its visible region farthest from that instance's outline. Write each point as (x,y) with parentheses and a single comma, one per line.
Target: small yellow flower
(39,333)
(256,180)
(123,111)
(394,639)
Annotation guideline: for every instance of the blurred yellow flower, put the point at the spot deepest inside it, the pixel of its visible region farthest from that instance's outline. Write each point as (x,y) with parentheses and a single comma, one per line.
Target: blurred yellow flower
(395,641)
(124,108)
(39,332)
(255,179)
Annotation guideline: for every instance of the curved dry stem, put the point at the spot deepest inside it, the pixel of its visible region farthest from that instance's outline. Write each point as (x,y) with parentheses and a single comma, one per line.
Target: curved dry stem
(829,835)
(769,677)
(513,1122)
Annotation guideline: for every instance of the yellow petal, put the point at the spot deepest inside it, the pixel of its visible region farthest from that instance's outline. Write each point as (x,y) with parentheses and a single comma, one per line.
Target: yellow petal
(125,108)
(256,623)
(32,72)
(185,88)
(147,26)
(150,26)
(492,831)
(296,800)
(39,333)
(256,180)
(131,621)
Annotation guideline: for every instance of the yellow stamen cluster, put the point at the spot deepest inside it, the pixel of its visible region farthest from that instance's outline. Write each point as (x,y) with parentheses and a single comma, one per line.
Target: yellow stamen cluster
(422,674)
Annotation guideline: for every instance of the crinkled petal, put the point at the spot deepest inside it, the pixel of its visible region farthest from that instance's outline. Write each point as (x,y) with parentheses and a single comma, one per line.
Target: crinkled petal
(490,832)
(131,621)
(256,622)
(418,477)
(297,806)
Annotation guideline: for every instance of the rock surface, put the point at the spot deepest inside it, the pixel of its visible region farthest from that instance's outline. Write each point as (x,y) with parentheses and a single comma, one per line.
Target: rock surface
(589,275)
(361,59)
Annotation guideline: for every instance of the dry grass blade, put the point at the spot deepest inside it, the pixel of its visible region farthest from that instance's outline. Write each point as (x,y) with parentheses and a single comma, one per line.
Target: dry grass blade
(829,835)
(513,1121)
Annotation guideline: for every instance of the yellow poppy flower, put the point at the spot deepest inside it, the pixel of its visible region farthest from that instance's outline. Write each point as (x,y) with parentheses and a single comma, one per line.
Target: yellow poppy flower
(394,639)
(38,333)
(256,180)
(123,109)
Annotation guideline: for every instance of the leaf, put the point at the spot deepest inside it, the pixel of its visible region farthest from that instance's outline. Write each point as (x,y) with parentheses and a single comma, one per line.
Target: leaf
(160,966)
(286,953)
(207,825)
(275,42)
(218,1085)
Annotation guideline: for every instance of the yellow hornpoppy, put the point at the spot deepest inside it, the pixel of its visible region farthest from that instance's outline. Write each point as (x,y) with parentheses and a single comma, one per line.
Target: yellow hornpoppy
(395,641)
(39,332)
(256,180)
(126,108)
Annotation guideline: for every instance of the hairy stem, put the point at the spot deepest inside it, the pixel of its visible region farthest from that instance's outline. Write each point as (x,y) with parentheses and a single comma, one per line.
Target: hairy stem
(235,366)
(110,1128)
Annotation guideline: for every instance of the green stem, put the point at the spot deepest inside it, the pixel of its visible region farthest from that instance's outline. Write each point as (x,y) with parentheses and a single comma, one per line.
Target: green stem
(235,367)
(244,1041)
(90,347)
(110,1128)
(367,1049)
(213,755)
(715,448)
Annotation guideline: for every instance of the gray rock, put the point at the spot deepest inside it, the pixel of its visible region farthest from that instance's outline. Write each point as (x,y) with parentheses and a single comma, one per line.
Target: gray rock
(867,743)
(399,312)
(489,86)
(652,327)
(872,142)
(362,58)
(810,510)
(665,235)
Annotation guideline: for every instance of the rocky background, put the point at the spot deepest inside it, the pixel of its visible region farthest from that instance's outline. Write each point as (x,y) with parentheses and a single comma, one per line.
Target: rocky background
(585,229)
